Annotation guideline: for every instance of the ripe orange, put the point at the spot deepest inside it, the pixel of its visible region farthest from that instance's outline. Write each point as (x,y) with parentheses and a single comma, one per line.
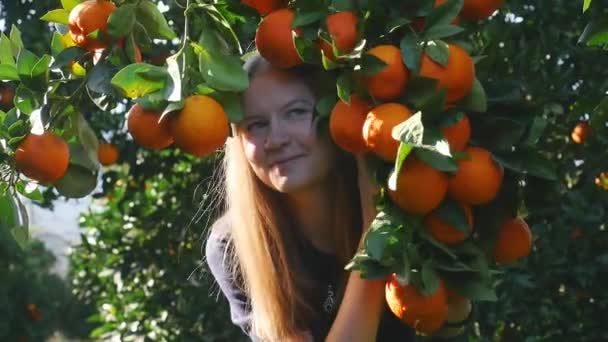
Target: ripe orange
(420,188)
(457,76)
(479,9)
(346,124)
(458,134)
(426,314)
(459,310)
(378,126)
(265,7)
(88,17)
(390,82)
(44,158)
(274,40)
(201,127)
(514,241)
(477,180)
(342,28)
(33,312)
(107,154)
(581,131)
(445,232)
(147,128)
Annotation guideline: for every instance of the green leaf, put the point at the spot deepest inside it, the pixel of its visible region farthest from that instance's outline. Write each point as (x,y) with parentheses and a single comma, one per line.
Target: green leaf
(231,102)
(33,194)
(40,71)
(66,56)
(9,216)
(475,290)
(438,51)
(70,4)
(528,161)
(16,42)
(307,49)
(410,131)
(8,73)
(85,153)
(25,63)
(442,31)
(57,44)
(429,277)
(221,72)
(586,4)
(21,236)
(77,182)
(444,14)
(26,100)
(307,18)
(402,153)
(436,160)
(150,17)
(595,33)
(371,65)
(326,104)
(344,5)
(535,131)
(476,100)
(59,16)
(454,215)
(121,21)
(130,82)
(344,86)
(6,51)
(99,79)
(411,52)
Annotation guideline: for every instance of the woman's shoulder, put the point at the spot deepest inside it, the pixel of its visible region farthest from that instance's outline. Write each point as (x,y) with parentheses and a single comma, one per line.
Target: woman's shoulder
(218,240)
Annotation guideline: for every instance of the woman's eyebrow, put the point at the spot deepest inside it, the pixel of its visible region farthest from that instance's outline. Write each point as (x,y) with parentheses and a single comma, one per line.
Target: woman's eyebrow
(297,101)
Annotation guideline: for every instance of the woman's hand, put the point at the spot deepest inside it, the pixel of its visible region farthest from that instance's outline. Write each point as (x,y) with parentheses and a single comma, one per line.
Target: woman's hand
(368,189)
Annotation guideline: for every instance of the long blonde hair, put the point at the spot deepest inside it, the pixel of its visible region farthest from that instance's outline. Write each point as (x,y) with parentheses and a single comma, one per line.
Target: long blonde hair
(264,242)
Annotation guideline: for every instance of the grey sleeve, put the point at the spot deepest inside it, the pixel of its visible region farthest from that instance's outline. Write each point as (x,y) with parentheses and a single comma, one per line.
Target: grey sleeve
(218,260)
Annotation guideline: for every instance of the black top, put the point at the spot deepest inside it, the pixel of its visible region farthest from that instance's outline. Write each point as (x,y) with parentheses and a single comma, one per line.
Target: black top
(323,266)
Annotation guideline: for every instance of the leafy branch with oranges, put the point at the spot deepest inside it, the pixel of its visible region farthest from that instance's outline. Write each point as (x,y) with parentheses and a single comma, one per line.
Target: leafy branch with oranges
(406,95)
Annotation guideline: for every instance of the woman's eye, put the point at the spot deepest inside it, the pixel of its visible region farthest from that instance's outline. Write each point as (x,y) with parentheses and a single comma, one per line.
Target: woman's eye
(255,125)
(298,112)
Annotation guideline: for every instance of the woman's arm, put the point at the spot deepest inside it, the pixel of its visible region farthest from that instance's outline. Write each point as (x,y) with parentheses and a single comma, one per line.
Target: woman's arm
(359,313)
(363,301)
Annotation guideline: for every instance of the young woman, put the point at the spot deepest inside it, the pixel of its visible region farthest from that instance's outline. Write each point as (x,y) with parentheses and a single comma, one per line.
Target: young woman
(296,206)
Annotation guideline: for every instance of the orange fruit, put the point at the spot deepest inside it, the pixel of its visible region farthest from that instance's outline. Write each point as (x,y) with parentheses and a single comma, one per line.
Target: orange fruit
(478,179)
(88,17)
(458,134)
(457,76)
(378,126)
(107,154)
(445,232)
(147,128)
(390,82)
(479,9)
(459,310)
(346,124)
(201,127)
(581,131)
(420,188)
(424,313)
(514,241)
(265,7)
(342,28)
(274,40)
(44,158)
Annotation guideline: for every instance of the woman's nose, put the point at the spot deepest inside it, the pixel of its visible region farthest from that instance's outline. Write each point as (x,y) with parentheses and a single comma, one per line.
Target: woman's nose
(277,135)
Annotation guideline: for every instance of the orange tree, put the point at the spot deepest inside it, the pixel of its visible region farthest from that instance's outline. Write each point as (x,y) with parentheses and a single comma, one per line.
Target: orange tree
(481,109)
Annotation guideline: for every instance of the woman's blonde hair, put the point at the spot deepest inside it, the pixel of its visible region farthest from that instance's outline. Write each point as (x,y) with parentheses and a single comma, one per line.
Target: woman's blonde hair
(264,241)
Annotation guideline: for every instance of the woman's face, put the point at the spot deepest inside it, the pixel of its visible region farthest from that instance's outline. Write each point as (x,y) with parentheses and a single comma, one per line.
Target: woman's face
(279,134)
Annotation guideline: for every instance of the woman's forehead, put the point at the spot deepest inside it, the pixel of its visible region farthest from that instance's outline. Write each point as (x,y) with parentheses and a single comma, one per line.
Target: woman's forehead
(273,90)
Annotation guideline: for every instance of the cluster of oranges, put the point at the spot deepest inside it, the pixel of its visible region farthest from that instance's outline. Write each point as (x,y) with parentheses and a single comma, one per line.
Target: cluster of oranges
(196,134)
(366,123)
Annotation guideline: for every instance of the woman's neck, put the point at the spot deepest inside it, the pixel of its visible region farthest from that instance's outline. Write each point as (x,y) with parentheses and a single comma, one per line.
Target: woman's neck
(313,213)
